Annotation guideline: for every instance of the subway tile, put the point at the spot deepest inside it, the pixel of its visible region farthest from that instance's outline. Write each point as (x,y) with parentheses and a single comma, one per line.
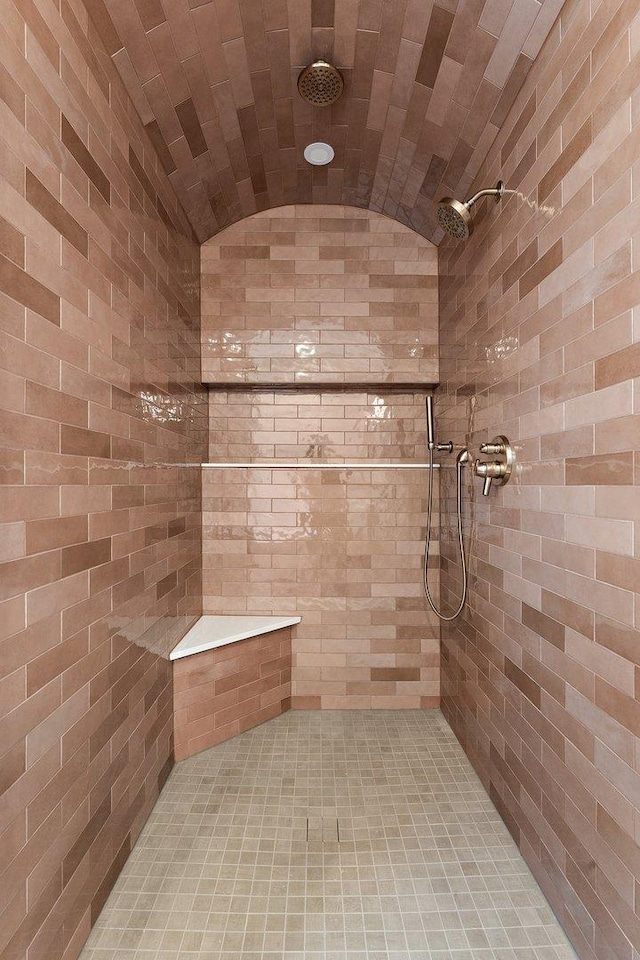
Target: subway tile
(618,637)
(432,48)
(543,625)
(546,264)
(618,367)
(623,708)
(80,442)
(53,663)
(617,435)
(83,156)
(45,402)
(344,352)
(567,159)
(617,299)
(12,94)
(602,469)
(578,184)
(527,686)
(608,403)
(12,243)
(78,332)
(591,530)
(155,135)
(32,432)
(83,556)
(190,124)
(340,417)
(42,535)
(614,568)
(438,30)
(28,291)
(214,714)
(53,211)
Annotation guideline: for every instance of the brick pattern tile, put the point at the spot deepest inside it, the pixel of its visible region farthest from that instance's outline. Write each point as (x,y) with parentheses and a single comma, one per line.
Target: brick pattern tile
(341,548)
(427,87)
(319,294)
(539,340)
(100,543)
(220,693)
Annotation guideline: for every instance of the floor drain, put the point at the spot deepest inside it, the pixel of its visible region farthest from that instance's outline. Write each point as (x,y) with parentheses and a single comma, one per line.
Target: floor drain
(323,830)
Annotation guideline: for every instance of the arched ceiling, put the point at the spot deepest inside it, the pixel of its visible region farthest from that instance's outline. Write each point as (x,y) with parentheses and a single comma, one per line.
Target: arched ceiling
(427,86)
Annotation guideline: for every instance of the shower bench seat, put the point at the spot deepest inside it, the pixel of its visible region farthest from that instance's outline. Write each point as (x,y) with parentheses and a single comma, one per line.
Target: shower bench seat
(230,673)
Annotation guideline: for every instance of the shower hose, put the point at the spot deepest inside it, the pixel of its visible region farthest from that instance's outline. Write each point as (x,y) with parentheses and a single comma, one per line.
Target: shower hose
(461,459)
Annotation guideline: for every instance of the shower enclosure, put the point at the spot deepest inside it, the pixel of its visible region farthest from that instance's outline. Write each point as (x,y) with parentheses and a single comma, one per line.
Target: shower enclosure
(179,286)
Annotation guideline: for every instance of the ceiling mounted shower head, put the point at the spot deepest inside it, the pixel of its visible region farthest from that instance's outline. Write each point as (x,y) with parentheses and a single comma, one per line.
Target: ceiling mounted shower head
(455,217)
(320,84)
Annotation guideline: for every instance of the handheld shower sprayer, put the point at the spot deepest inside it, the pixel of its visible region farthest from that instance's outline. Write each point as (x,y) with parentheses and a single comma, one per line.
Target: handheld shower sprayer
(461,460)
(431,430)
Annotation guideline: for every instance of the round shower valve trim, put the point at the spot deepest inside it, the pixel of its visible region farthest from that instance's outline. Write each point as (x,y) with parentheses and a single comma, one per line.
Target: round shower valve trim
(495,471)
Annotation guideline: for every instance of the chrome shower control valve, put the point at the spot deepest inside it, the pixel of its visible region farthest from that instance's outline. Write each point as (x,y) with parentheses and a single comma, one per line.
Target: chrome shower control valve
(495,471)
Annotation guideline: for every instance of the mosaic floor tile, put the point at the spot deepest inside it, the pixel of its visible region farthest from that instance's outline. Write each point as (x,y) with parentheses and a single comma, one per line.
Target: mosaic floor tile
(328,836)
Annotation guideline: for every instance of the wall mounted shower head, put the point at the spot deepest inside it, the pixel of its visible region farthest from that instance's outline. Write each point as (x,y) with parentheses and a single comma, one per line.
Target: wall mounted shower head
(454,216)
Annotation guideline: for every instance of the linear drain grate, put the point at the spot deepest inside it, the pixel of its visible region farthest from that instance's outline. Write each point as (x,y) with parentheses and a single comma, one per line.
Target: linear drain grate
(323,830)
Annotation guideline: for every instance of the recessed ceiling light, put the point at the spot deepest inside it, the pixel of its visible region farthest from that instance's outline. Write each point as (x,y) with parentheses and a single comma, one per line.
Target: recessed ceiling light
(319,153)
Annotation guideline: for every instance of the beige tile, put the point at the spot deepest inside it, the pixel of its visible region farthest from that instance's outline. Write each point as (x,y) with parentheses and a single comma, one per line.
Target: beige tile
(307,807)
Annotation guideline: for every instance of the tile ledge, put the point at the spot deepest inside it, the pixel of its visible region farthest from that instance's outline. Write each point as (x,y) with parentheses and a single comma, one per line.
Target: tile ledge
(218,631)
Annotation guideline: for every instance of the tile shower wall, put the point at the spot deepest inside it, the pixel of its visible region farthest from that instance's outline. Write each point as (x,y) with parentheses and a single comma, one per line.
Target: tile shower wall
(340,547)
(539,340)
(319,294)
(100,545)
(427,85)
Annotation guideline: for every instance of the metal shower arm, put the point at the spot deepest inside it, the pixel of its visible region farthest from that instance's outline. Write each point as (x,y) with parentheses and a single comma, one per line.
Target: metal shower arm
(497,192)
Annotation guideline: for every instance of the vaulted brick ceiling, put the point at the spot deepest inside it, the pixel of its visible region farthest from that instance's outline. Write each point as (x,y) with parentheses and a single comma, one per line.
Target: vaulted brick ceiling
(427,86)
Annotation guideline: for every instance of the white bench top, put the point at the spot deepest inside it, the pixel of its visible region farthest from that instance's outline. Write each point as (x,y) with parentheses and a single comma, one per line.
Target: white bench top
(211,631)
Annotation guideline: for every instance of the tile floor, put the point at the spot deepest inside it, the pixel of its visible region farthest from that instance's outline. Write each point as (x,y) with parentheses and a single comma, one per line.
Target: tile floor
(337,835)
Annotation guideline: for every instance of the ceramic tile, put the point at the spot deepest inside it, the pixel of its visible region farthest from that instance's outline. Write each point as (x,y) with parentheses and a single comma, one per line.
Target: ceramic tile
(552,366)
(328,835)
(99,284)
(343,548)
(260,327)
(402,63)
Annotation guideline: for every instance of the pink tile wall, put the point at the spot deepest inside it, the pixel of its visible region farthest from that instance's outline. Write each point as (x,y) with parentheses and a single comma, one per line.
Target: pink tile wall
(427,86)
(220,693)
(314,294)
(100,544)
(540,340)
(340,547)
